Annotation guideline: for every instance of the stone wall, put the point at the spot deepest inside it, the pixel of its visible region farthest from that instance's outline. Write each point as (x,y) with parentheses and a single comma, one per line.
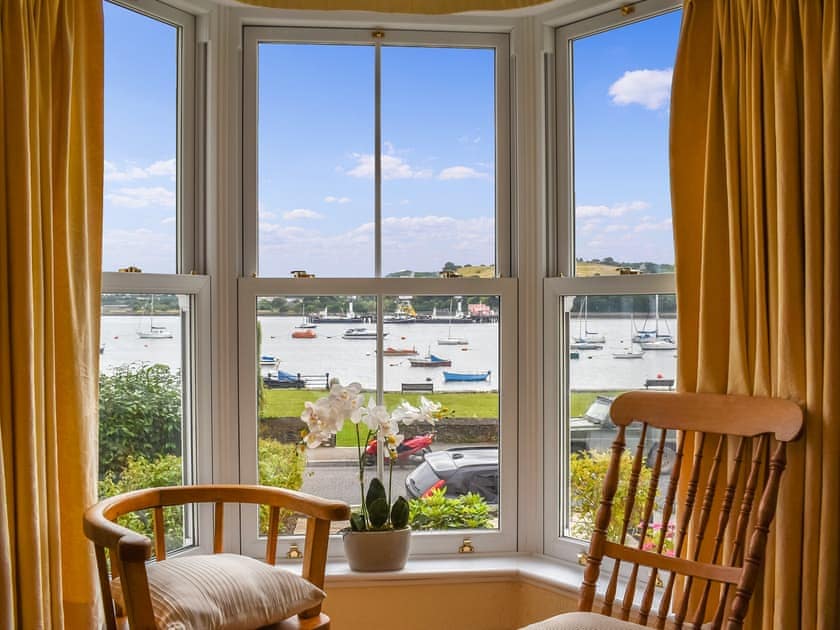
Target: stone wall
(447,431)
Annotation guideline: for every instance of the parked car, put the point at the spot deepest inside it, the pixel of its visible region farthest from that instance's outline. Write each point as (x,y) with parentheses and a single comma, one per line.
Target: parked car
(459,470)
(476,469)
(595,430)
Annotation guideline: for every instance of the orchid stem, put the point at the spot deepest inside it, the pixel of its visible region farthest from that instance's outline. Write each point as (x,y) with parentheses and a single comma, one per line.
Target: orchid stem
(361,474)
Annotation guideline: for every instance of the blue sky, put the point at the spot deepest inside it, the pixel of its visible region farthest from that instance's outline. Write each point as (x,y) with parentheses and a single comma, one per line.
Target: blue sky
(316,151)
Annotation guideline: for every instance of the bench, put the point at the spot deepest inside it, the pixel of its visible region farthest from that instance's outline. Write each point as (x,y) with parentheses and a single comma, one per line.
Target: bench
(659,382)
(417,387)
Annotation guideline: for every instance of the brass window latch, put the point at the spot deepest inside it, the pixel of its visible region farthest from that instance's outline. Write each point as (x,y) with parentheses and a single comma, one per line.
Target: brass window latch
(294,553)
(466,547)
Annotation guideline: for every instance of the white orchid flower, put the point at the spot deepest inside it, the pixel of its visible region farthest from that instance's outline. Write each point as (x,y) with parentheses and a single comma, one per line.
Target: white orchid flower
(406,413)
(372,415)
(345,400)
(429,411)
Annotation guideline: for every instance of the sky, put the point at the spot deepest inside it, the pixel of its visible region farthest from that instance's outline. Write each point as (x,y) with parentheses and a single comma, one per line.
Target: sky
(316,144)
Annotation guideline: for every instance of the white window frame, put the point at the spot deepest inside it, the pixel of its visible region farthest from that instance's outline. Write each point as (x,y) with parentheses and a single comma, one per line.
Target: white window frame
(562,283)
(196,438)
(251,287)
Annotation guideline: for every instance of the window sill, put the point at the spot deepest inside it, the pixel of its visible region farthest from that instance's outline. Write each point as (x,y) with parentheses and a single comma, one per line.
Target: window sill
(538,570)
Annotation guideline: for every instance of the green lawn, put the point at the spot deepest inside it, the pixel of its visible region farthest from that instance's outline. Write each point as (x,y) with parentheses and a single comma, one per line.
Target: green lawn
(282,403)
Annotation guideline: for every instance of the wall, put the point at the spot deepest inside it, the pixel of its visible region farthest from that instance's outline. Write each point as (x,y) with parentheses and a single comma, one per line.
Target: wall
(495,604)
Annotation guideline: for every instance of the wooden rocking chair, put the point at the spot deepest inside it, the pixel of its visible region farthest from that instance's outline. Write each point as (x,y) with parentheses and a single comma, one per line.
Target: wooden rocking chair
(181,590)
(738,427)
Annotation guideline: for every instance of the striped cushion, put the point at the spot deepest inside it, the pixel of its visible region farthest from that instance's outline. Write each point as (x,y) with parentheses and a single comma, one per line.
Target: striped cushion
(222,591)
(582,621)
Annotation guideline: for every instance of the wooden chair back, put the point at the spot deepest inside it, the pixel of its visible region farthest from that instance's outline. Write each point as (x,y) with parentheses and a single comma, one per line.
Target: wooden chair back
(736,428)
(128,551)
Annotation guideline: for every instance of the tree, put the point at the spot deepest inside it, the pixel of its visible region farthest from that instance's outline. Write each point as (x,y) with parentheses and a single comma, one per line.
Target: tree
(139,415)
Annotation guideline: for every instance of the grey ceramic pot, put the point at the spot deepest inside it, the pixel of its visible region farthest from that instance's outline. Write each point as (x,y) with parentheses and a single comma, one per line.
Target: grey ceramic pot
(385,550)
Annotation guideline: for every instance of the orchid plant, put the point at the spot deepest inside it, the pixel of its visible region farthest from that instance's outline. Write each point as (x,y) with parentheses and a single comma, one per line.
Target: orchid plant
(326,417)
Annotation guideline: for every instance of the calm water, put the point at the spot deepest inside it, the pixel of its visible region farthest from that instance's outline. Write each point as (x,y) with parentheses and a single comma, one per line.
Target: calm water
(355,360)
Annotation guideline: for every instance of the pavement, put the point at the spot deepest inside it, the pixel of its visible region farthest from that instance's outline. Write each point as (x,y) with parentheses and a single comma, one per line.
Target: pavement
(347,455)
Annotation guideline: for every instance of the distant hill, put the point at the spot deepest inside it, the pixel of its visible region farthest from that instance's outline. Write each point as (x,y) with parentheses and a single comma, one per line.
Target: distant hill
(467,271)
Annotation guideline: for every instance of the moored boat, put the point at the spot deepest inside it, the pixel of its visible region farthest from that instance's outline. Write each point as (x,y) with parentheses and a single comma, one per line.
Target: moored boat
(430,360)
(361,333)
(268,359)
(307,333)
(399,352)
(466,376)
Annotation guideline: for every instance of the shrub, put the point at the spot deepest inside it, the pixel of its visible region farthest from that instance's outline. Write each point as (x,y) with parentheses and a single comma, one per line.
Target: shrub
(588,470)
(437,511)
(139,415)
(140,473)
(281,466)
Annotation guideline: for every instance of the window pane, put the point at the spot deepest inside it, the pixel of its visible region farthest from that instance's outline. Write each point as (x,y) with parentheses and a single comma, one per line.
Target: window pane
(142,402)
(302,348)
(446,348)
(617,343)
(315,134)
(438,162)
(140,203)
(622,87)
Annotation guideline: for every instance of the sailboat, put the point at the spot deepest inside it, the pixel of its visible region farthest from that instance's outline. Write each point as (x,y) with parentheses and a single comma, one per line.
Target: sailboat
(628,353)
(449,340)
(304,322)
(154,332)
(658,341)
(586,336)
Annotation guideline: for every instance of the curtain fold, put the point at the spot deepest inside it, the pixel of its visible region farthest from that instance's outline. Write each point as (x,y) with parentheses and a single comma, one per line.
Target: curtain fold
(755,172)
(427,7)
(51,156)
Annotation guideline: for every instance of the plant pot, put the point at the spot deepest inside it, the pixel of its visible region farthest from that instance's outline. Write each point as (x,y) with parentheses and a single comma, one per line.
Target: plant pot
(385,550)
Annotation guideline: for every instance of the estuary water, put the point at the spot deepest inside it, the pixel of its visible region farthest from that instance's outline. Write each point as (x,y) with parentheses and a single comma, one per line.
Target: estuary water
(355,360)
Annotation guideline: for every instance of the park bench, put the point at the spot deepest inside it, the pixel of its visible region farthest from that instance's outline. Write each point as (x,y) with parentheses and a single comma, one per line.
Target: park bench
(417,387)
(659,382)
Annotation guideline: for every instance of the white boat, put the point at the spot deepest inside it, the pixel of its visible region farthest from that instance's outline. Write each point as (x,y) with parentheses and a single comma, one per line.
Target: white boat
(361,333)
(629,354)
(452,341)
(304,322)
(584,334)
(449,340)
(648,336)
(585,345)
(665,343)
(154,332)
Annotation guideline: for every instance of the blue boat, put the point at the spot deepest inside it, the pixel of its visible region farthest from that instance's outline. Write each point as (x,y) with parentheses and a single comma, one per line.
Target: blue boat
(268,359)
(466,376)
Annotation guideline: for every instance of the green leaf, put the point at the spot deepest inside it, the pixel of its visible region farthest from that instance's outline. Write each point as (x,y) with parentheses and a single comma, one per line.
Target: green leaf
(378,513)
(399,513)
(357,522)
(375,491)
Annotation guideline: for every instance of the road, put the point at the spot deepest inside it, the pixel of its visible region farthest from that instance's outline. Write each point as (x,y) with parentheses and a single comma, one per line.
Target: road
(341,482)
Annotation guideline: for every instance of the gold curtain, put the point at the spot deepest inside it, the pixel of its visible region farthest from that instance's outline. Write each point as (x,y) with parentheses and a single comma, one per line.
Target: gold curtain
(755,172)
(428,7)
(51,95)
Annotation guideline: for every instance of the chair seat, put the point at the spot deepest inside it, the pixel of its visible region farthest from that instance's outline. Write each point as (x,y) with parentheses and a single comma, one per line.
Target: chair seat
(582,621)
(223,591)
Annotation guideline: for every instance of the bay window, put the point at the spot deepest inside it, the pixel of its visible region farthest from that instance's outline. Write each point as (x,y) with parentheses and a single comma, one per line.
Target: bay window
(609,309)
(376,161)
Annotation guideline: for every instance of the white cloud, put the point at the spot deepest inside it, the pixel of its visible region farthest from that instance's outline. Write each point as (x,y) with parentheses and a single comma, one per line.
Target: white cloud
(130,172)
(153,252)
(653,226)
(615,210)
(168,220)
(142,197)
(649,88)
(468,139)
(616,227)
(416,242)
(302,213)
(332,199)
(393,167)
(462,172)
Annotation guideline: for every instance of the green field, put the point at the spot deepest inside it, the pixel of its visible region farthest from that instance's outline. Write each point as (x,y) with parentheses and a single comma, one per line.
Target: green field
(288,403)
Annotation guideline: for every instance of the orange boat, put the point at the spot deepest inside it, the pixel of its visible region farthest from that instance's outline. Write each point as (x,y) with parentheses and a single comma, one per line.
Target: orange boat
(306,333)
(399,352)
